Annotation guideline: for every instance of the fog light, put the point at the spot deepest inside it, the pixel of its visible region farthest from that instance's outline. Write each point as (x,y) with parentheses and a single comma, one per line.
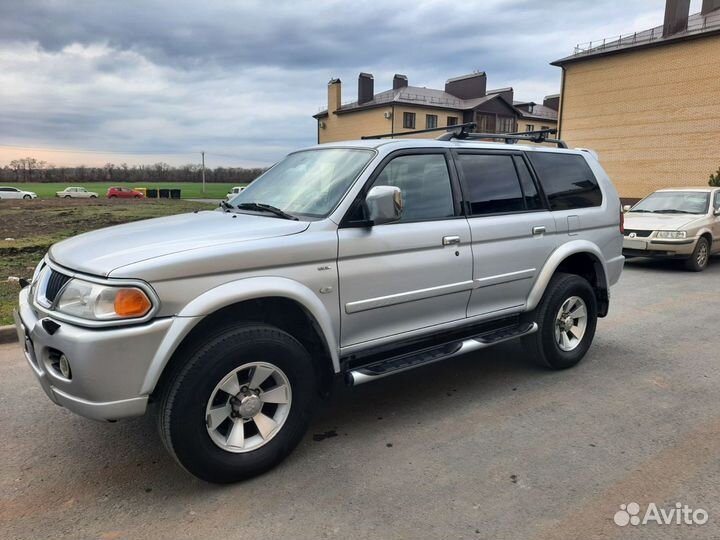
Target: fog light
(64,366)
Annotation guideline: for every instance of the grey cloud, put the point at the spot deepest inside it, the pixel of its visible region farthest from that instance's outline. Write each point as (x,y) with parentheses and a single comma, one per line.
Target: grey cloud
(245,77)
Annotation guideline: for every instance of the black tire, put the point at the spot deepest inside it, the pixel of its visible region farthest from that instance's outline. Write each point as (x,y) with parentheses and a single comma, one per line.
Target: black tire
(66,196)
(542,345)
(182,407)
(93,196)
(27,197)
(112,196)
(698,261)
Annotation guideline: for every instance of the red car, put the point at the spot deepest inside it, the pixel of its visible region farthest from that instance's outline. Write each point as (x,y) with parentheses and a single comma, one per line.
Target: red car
(124,193)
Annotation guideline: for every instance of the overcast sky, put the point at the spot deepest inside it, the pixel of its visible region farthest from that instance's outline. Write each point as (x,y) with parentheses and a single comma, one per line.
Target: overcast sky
(141,81)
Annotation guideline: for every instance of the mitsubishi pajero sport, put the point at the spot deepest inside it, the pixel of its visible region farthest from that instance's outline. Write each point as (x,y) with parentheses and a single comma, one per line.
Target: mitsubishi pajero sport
(359,259)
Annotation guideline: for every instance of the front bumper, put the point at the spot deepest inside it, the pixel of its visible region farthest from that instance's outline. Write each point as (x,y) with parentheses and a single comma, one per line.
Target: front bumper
(108,366)
(653,247)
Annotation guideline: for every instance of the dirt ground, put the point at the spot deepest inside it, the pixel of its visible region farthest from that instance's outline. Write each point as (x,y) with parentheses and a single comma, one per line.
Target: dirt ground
(29,228)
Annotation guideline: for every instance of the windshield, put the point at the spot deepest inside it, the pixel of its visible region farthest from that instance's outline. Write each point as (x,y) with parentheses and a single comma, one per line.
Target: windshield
(308,183)
(674,202)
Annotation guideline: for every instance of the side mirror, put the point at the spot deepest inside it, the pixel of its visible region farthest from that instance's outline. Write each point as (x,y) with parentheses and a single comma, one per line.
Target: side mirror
(717,212)
(384,204)
(627,207)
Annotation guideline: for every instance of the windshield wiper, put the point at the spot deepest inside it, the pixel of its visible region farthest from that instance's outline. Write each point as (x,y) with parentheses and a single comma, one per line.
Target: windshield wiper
(641,210)
(672,211)
(262,207)
(226,205)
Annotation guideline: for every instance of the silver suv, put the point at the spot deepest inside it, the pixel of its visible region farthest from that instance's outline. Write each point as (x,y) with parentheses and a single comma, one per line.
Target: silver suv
(358,259)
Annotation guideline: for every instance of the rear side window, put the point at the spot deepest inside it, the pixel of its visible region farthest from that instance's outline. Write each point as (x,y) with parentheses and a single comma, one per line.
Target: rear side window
(567,180)
(493,185)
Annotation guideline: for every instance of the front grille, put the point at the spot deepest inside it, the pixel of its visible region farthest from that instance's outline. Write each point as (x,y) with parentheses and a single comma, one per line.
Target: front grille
(56,282)
(638,234)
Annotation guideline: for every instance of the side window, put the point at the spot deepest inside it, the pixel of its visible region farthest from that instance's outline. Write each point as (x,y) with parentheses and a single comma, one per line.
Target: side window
(530,192)
(425,185)
(492,183)
(716,200)
(567,180)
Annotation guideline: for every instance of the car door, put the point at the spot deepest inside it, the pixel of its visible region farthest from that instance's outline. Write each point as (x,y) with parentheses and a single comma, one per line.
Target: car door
(716,222)
(414,273)
(14,193)
(513,233)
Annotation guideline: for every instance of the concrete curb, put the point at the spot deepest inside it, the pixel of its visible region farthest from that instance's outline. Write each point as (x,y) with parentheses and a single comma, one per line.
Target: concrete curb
(8,334)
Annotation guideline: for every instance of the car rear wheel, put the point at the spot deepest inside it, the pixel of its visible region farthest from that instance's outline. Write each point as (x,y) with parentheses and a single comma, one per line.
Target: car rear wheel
(93,196)
(66,196)
(566,318)
(698,261)
(239,404)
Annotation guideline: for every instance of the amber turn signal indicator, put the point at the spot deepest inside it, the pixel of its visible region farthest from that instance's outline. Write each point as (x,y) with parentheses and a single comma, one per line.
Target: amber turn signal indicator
(131,303)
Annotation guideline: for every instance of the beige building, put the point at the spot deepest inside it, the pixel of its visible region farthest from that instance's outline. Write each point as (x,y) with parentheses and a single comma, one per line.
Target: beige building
(408,108)
(649,102)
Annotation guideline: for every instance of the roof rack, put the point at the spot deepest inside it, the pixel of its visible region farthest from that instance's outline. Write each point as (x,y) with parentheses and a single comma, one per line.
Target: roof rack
(462,132)
(538,136)
(454,128)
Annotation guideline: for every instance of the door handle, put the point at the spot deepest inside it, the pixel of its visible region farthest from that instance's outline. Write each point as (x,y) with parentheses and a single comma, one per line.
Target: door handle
(450,240)
(539,230)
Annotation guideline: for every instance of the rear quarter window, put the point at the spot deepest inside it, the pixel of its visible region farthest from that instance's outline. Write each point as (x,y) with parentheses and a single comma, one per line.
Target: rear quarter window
(567,180)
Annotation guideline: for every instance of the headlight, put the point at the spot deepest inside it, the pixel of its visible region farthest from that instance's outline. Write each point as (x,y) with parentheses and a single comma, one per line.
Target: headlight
(101,302)
(673,235)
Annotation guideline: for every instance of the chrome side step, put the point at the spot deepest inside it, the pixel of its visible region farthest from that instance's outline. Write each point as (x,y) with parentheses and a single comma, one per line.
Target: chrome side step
(398,364)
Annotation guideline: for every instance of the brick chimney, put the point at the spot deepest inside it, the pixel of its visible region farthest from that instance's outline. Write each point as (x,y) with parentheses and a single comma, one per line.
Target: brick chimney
(399,81)
(508,93)
(552,102)
(708,6)
(334,95)
(467,86)
(366,89)
(676,16)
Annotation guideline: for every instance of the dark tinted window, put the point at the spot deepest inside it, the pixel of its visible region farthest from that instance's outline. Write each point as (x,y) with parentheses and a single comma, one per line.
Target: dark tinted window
(530,192)
(492,183)
(409,120)
(567,180)
(425,185)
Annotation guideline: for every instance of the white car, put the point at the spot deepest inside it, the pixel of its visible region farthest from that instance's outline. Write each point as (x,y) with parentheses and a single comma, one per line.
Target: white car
(76,193)
(7,192)
(234,191)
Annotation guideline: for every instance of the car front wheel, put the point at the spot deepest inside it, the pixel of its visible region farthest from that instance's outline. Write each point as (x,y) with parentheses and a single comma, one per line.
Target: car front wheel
(27,197)
(239,404)
(698,261)
(566,318)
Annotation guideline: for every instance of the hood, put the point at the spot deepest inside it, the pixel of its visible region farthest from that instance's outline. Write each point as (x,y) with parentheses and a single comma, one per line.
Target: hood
(659,222)
(102,251)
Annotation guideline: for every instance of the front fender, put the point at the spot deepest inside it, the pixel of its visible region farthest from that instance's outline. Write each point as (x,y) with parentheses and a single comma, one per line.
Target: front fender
(555,259)
(232,293)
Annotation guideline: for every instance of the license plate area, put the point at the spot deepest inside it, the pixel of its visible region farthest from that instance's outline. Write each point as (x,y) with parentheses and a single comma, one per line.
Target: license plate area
(633,243)
(25,341)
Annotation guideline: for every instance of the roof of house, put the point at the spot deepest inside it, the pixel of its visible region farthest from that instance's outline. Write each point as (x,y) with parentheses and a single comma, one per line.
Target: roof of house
(417,96)
(539,112)
(698,26)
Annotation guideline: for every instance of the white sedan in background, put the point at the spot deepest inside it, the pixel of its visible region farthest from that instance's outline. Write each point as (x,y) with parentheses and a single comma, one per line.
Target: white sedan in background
(76,193)
(7,192)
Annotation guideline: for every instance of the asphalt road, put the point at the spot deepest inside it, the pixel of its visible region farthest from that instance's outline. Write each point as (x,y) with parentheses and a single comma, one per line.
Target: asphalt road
(482,446)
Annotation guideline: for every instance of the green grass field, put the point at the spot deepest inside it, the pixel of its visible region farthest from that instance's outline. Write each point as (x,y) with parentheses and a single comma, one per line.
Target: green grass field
(190,190)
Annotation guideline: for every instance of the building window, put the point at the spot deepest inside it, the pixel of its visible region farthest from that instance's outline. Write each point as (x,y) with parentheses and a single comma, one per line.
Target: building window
(409,120)
(530,127)
(430,121)
(505,124)
(452,120)
(485,123)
